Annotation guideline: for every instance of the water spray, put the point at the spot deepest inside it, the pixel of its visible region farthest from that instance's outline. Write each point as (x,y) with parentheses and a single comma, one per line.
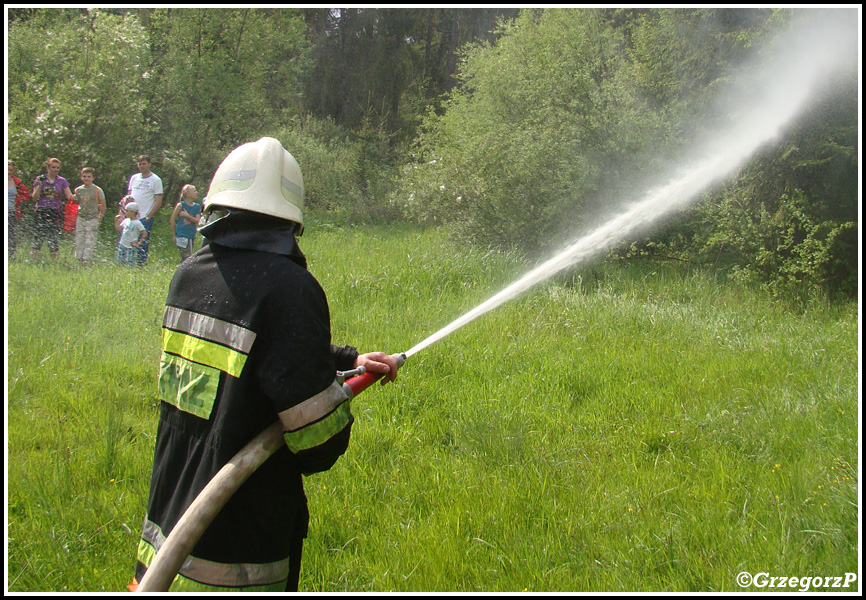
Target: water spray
(808,57)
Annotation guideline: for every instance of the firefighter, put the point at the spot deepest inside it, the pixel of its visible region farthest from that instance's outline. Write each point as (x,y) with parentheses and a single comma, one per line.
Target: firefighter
(246,340)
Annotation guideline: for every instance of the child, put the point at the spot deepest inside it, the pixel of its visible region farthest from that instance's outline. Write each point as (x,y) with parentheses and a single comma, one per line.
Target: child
(184,219)
(121,207)
(132,234)
(91,208)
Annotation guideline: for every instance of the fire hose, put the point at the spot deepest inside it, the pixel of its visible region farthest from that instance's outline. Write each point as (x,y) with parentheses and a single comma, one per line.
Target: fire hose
(225,483)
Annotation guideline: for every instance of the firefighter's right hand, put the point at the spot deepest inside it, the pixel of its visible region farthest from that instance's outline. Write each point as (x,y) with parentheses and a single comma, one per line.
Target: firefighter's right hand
(379,362)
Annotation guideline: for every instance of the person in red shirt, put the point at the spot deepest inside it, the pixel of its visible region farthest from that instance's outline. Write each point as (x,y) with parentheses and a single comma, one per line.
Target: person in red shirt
(18,193)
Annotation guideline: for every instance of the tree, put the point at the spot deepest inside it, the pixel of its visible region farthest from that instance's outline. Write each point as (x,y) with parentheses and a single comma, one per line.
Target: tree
(387,64)
(570,111)
(543,120)
(76,95)
(219,78)
(789,220)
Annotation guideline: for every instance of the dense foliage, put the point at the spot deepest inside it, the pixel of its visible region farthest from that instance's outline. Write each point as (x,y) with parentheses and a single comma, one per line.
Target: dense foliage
(511,127)
(77,92)
(571,110)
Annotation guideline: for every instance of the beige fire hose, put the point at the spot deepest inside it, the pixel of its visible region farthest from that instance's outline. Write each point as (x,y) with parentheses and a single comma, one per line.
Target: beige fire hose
(205,508)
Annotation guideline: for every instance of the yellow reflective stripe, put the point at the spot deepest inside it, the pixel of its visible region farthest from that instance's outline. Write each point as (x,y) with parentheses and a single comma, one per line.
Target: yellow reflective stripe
(189,386)
(316,434)
(292,192)
(209,328)
(233,180)
(204,352)
(195,572)
(145,553)
(182,584)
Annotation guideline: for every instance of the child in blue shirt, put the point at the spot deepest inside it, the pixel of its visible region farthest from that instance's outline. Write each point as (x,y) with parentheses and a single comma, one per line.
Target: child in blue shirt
(184,220)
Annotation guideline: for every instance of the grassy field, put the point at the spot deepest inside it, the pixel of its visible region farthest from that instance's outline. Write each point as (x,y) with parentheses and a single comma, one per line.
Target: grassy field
(633,427)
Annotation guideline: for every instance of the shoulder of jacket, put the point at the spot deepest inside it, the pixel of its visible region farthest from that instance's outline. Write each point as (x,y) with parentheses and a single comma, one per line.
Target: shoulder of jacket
(294,278)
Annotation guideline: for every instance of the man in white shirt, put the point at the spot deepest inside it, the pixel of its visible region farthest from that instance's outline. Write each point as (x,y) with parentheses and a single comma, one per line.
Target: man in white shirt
(146,187)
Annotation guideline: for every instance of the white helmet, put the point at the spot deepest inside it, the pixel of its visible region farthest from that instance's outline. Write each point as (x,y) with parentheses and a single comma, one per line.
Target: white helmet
(260,177)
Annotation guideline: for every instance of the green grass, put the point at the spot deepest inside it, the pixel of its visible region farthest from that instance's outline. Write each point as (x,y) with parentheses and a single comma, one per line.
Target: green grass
(623,427)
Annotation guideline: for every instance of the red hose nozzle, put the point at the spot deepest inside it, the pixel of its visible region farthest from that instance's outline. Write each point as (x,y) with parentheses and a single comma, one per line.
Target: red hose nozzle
(356,385)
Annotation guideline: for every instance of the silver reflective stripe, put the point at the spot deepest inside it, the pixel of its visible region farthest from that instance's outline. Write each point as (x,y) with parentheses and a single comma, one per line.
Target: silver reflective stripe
(234,575)
(292,187)
(314,408)
(238,175)
(152,534)
(221,574)
(209,328)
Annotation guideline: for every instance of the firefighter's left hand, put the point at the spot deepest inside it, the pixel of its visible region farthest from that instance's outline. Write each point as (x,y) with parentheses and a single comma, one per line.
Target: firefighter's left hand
(379,362)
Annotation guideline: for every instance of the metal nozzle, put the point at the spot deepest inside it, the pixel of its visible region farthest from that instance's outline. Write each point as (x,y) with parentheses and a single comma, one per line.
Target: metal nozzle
(342,376)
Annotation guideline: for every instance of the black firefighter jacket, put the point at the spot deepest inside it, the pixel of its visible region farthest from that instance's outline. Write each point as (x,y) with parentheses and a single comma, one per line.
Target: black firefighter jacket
(246,336)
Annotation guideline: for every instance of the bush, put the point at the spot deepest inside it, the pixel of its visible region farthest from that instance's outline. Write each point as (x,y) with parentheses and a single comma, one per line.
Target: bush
(326,159)
(76,94)
(787,250)
(546,120)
